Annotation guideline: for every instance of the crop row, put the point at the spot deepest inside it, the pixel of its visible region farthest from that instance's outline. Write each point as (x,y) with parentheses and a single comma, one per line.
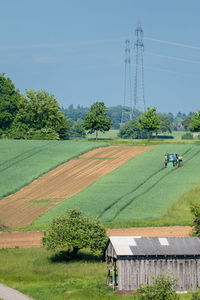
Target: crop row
(23,161)
(140,189)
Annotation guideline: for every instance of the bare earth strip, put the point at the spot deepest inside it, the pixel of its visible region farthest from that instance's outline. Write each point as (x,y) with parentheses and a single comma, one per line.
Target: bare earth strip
(33,239)
(23,207)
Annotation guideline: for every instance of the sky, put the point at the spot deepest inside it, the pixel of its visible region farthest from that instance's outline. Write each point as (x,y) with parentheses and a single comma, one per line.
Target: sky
(75,49)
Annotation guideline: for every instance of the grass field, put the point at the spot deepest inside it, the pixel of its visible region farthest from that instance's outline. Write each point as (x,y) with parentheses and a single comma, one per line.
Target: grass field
(44,276)
(112,133)
(139,190)
(23,161)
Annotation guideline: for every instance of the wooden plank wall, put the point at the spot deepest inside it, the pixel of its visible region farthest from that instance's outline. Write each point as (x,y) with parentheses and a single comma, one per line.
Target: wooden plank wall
(110,252)
(133,273)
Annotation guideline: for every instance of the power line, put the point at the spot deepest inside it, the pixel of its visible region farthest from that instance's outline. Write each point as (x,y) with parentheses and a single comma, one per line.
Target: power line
(172,43)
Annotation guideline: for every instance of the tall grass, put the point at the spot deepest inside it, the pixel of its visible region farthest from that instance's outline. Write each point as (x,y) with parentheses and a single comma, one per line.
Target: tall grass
(139,190)
(44,276)
(23,161)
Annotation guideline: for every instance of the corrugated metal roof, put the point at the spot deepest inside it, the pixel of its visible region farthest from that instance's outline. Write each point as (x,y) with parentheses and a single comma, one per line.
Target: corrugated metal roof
(142,246)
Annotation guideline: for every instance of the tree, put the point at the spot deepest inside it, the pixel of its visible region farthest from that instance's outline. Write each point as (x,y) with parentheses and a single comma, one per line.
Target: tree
(96,120)
(195,124)
(73,231)
(149,121)
(9,100)
(177,122)
(39,110)
(131,129)
(185,123)
(77,129)
(115,114)
(160,289)
(75,113)
(166,125)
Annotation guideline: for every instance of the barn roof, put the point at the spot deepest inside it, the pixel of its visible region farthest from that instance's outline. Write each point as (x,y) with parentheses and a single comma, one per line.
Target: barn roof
(153,246)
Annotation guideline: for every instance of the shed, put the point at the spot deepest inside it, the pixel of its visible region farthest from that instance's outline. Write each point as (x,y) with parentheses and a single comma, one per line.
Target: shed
(133,260)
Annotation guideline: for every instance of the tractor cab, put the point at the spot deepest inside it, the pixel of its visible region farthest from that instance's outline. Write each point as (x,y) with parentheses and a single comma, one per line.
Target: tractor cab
(172,160)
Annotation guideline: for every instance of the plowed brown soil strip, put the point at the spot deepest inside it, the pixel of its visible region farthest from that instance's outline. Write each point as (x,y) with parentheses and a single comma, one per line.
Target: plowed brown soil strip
(33,239)
(20,239)
(170,231)
(23,207)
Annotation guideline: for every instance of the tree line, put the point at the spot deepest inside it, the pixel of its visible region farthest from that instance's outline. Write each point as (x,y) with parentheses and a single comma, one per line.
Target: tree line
(165,123)
(33,115)
(171,122)
(37,115)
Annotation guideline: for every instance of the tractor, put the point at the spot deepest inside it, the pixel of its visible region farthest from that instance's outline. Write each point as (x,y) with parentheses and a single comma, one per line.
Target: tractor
(172,160)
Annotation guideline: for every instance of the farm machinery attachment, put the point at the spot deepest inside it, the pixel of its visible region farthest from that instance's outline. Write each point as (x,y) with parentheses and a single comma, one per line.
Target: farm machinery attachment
(172,160)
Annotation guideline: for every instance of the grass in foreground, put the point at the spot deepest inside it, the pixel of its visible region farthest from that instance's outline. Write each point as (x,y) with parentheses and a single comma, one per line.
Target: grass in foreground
(22,161)
(44,276)
(140,190)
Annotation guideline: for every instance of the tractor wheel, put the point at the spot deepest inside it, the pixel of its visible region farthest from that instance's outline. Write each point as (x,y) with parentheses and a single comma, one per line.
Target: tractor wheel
(178,165)
(165,164)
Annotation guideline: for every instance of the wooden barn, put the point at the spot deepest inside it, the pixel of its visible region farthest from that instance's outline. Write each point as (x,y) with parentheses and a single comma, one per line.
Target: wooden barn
(132,261)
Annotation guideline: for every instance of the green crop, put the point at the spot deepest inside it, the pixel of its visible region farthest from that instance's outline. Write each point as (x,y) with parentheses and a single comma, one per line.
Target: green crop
(141,189)
(23,161)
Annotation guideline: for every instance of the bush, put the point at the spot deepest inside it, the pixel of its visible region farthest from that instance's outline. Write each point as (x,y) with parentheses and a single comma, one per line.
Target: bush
(196,295)
(195,210)
(187,136)
(16,134)
(130,129)
(161,289)
(43,134)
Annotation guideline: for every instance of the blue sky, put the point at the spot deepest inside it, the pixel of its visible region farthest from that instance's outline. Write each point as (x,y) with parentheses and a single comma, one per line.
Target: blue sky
(74,49)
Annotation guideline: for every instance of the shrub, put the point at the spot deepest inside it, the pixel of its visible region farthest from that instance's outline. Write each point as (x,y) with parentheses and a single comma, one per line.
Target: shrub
(195,210)
(161,289)
(43,134)
(187,136)
(17,135)
(130,129)
(196,295)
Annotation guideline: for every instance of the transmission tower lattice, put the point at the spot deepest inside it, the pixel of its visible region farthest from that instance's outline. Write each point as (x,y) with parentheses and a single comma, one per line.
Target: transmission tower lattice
(127,109)
(139,100)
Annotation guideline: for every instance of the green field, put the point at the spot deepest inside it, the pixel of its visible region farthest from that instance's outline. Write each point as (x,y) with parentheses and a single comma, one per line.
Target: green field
(23,161)
(112,133)
(139,190)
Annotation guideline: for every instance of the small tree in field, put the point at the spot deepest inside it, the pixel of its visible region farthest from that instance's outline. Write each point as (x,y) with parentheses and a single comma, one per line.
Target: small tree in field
(149,121)
(96,120)
(73,231)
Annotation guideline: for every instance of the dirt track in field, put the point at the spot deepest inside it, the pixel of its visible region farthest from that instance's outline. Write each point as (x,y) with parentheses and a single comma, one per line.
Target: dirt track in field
(23,207)
(33,239)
